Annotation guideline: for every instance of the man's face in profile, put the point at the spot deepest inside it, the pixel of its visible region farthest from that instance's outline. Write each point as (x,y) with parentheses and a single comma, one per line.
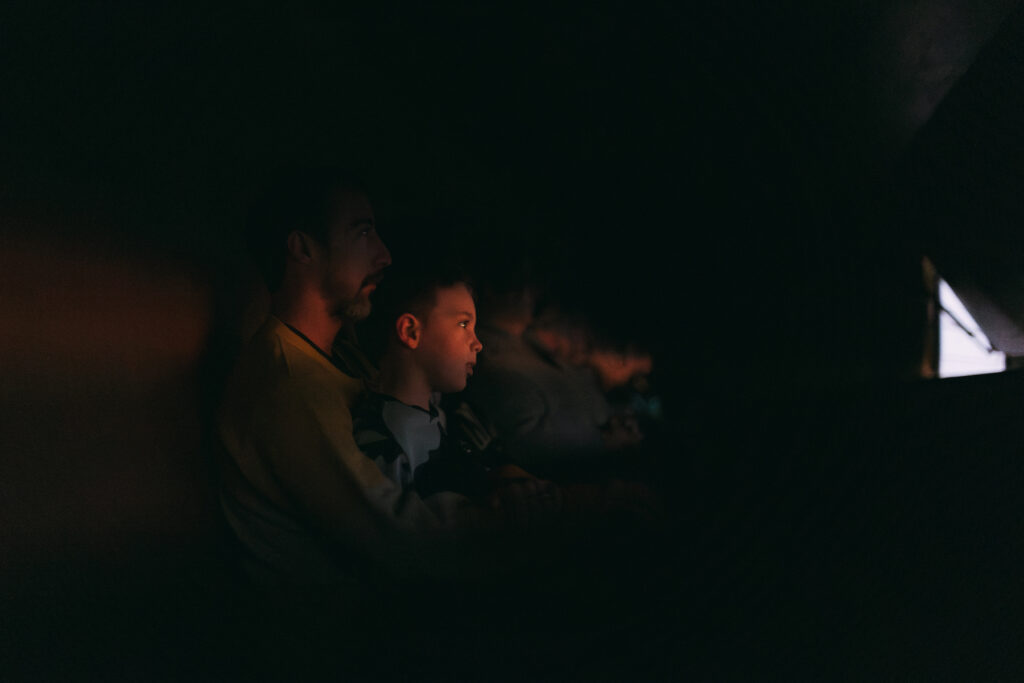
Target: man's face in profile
(355,257)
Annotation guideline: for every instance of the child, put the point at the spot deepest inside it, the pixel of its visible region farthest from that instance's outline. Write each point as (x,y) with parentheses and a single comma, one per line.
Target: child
(427,343)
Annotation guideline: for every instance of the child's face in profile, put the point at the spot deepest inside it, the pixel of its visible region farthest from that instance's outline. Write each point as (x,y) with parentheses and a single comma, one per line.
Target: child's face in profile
(448,347)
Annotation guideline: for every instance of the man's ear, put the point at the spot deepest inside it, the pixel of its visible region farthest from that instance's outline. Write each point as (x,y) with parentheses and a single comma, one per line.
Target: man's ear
(300,246)
(408,329)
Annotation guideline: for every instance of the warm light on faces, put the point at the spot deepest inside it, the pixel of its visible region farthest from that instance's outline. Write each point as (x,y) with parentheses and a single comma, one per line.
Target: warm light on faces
(355,257)
(448,344)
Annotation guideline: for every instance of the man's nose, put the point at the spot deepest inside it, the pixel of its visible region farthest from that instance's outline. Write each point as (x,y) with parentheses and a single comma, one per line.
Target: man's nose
(476,346)
(383,255)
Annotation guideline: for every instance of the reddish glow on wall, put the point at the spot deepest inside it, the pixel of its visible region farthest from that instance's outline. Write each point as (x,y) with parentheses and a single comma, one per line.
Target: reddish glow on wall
(87,313)
(100,427)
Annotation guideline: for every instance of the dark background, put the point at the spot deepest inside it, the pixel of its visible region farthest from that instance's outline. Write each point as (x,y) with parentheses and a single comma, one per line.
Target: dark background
(717,181)
(745,188)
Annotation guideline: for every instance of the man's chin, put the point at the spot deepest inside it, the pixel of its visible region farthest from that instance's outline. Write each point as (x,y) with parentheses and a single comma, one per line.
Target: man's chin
(357,310)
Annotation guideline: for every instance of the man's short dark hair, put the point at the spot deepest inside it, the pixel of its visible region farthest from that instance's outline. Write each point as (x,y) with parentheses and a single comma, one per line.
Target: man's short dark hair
(303,199)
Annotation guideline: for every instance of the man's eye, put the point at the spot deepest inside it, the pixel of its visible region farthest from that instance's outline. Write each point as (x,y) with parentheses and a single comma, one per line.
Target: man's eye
(464,323)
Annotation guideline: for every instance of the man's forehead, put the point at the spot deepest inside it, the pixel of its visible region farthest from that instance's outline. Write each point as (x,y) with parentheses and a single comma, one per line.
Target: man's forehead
(351,207)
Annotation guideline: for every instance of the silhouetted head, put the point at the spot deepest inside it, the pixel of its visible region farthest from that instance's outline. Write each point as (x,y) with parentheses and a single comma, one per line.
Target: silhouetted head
(429,316)
(508,288)
(315,229)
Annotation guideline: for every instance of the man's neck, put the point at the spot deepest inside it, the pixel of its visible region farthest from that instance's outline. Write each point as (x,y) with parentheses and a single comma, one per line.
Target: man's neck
(313,321)
(548,343)
(402,380)
(546,339)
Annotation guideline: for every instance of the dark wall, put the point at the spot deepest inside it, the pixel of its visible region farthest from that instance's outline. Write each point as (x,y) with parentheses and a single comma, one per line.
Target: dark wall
(719,182)
(711,176)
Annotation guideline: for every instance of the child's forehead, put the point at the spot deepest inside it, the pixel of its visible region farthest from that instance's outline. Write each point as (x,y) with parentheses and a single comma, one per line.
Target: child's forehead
(454,298)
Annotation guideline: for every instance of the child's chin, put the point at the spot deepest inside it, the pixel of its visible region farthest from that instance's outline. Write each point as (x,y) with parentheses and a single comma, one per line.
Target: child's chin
(454,388)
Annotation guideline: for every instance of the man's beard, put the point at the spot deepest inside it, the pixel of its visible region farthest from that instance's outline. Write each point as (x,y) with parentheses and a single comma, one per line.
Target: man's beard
(353,310)
(356,310)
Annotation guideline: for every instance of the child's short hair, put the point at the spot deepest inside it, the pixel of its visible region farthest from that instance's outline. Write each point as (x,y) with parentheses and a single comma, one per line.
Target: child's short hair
(406,290)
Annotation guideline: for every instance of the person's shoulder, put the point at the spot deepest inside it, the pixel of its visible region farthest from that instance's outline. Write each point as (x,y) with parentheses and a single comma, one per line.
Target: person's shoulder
(374,406)
(401,416)
(282,360)
(273,340)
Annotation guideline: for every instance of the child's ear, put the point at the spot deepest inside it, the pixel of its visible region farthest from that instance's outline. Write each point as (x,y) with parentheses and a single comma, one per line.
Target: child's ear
(408,329)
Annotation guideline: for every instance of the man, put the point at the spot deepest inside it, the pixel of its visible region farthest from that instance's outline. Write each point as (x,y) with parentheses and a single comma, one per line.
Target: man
(305,504)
